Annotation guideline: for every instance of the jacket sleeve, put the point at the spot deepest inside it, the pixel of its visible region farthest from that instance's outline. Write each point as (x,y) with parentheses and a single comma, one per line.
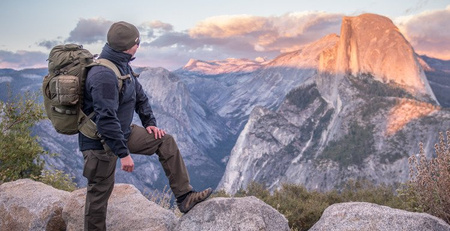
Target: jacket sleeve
(104,88)
(143,107)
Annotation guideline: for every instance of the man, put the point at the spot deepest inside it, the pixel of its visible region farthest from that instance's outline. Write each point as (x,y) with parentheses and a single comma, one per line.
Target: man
(113,114)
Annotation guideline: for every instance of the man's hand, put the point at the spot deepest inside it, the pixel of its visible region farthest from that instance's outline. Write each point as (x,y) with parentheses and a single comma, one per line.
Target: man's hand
(158,132)
(127,163)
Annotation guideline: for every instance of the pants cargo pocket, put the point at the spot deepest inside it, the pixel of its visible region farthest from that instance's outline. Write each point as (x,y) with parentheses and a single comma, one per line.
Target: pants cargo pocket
(98,164)
(90,166)
(106,165)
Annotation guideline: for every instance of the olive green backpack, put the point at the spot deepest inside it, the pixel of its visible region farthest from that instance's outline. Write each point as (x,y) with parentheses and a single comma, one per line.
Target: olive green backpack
(63,88)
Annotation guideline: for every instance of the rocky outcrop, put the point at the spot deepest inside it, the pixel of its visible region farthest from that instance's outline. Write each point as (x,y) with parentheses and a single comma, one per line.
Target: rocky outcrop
(367,216)
(128,209)
(29,205)
(223,214)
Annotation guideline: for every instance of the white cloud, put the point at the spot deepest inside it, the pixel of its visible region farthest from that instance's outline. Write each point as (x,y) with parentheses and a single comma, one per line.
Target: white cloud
(89,31)
(428,32)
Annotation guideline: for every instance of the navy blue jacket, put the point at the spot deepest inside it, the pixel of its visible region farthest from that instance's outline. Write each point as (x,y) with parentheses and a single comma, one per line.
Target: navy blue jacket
(113,110)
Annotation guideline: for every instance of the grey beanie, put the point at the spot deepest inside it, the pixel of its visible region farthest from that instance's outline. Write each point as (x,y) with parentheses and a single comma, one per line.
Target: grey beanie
(122,36)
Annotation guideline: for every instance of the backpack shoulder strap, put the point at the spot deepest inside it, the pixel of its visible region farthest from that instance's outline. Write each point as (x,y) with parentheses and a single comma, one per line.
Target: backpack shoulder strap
(113,67)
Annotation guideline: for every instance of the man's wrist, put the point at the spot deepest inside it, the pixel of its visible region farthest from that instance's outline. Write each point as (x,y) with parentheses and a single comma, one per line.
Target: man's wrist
(123,155)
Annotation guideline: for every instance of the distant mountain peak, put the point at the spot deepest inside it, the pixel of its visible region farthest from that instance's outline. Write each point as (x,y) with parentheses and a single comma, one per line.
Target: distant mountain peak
(308,56)
(226,66)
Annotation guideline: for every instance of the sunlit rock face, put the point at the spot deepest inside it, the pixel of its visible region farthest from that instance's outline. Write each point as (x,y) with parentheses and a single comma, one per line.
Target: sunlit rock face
(405,111)
(360,116)
(371,43)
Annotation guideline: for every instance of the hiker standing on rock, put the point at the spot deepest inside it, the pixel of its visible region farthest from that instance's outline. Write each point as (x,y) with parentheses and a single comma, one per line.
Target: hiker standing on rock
(113,114)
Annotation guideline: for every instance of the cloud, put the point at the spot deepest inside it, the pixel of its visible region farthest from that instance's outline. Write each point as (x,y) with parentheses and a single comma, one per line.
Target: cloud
(216,38)
(428,32)
(90,31)
(22,59)
(227,26)
(276,33)
(160,25)
(153,29)
(87,31)
(49,43)
(240,36)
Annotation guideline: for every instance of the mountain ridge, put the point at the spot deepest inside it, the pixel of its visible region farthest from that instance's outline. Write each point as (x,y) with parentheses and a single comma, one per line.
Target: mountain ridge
(334,124)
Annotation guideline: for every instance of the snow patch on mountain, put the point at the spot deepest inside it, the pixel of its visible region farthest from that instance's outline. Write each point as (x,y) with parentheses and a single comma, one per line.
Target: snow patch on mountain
(4,79)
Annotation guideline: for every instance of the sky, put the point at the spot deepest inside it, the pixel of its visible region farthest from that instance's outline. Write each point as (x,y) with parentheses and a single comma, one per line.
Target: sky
(173,32)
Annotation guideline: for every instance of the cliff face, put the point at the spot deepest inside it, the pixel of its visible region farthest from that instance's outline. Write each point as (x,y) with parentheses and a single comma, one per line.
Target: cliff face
(372,44)
(361,115)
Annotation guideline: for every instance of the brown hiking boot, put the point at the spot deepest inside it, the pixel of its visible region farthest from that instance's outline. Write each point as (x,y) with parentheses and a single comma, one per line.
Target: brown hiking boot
(192,199)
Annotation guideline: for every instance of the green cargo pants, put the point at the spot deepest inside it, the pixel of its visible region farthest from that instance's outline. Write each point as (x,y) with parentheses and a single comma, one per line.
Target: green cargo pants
(99,169)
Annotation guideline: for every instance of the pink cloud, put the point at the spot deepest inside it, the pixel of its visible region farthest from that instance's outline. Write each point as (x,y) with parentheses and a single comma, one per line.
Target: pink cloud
(428,32)
(275,33)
